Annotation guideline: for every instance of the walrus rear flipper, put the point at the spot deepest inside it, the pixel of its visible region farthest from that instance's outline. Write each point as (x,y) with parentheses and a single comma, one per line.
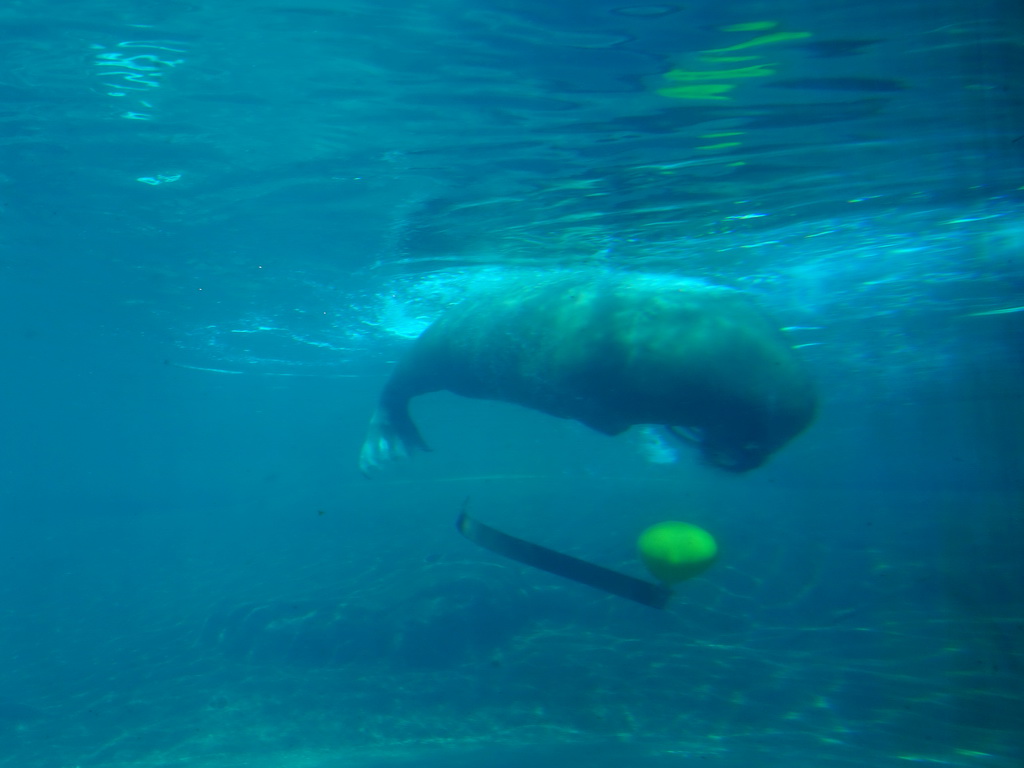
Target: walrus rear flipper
(392,436)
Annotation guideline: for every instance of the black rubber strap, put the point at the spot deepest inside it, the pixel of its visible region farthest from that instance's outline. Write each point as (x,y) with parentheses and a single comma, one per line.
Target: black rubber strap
(613,582)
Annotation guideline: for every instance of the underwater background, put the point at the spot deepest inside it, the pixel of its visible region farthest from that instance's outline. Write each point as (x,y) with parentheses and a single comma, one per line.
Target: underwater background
(223,222)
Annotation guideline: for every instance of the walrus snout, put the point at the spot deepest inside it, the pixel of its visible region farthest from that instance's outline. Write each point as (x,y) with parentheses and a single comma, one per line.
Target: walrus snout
(735,459)
(729,457)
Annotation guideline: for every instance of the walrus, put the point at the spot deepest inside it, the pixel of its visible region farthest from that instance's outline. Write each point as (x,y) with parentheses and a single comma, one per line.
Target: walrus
(610,350)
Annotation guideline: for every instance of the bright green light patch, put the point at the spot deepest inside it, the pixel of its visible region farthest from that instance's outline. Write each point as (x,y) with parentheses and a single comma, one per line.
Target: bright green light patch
(778,37)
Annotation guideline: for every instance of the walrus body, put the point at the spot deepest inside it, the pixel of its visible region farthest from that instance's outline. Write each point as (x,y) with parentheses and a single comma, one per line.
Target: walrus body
(610,350)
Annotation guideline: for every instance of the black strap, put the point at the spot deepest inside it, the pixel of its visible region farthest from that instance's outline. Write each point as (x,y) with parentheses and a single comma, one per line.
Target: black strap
(637,590)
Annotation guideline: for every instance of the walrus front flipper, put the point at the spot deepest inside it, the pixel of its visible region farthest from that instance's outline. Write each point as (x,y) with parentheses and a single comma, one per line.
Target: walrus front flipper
(613,582)
(392,435)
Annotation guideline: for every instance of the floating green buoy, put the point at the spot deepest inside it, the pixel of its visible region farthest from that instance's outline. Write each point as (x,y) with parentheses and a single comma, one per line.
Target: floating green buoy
(675,551)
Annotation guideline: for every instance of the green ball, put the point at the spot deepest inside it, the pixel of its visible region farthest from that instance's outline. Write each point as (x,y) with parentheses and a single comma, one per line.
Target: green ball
(675,551)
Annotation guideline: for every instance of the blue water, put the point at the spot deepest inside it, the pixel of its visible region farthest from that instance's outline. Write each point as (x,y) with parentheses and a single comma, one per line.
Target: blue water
(222,222)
